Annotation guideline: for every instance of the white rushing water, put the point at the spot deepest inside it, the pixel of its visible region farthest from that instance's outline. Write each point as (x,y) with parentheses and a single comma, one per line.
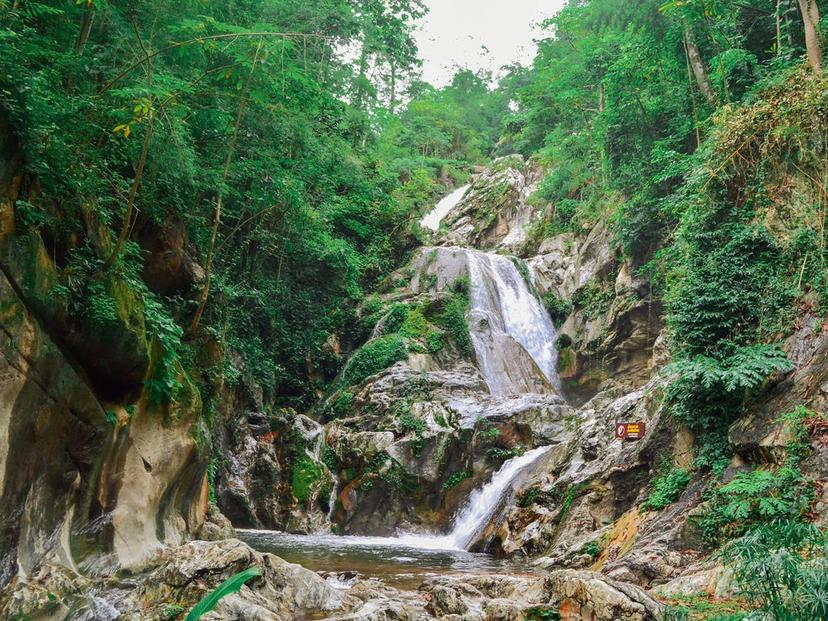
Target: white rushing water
(501,298)
(468,524)
(484,501)
(433,218)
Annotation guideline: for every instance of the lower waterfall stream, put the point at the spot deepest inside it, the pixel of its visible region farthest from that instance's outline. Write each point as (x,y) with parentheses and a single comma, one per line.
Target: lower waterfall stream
(408,557)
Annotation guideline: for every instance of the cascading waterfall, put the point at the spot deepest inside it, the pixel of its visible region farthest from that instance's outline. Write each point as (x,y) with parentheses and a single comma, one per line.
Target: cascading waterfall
(469,521)
(514,341)
(484,501)
(433,218)
(504,308)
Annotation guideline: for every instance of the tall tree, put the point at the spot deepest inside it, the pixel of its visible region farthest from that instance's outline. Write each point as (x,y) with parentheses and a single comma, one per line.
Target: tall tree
(813,36)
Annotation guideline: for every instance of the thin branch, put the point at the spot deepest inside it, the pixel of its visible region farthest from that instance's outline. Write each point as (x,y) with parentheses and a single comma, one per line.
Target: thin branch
(233,36)
(208,270)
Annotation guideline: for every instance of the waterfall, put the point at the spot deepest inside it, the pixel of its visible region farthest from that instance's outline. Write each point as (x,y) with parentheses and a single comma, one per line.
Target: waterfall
(484,501)
(469,522)
(505,312)
(433,218)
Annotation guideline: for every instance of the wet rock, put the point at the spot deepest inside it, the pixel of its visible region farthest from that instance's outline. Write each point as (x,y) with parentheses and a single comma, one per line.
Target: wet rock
(446,601)
(583,596)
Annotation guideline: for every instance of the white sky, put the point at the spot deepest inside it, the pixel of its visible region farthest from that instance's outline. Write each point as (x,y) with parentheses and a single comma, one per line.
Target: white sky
(454,31)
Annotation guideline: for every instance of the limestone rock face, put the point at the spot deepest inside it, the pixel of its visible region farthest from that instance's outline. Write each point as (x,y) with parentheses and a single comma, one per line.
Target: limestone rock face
(53,436)
(589,596)
(760,435)
(496,211)
(97,469)
(79,481)
(260,453)
(613,319)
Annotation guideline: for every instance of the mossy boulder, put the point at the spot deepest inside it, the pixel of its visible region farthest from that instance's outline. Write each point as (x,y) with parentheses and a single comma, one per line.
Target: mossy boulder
(107,335)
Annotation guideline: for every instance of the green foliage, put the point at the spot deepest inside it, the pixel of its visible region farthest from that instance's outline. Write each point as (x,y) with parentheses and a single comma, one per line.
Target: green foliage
(306,473)
(528,497)
(411,424)
(342,403)
(666,488)
(374,357)
(709,390)
(713,453)
(594,298)
(456,479)
(502,454)
(761,496)
(593,549)
(541,613)
(558,308)
(395,318)
(703,608)
(782,570)
(329,459)
(434,341)
(390,472)
(111,417)
(453,320)
(231,585)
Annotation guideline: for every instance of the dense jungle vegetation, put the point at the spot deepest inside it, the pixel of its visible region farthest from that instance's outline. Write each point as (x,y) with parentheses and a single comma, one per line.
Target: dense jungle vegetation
(289,146)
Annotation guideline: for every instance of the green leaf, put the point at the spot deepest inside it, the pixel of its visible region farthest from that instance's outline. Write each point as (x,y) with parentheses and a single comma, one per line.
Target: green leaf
(231,585)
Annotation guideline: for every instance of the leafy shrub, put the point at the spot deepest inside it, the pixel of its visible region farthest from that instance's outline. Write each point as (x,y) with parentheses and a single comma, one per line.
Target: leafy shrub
(342,403)
(710,389)
(434,341)
(594,298)
(329,459)
(666,488)
(453,319)
(395,318)
(456,479)
(754,498)
(782,570)
(527,498)
(593,549)
(541,613)
(461,285)
(415,325)
(558,308)
(305,475)
(373,357)
(411,424)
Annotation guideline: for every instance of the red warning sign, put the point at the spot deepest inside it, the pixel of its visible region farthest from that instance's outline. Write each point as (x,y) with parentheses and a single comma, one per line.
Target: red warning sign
(630,431)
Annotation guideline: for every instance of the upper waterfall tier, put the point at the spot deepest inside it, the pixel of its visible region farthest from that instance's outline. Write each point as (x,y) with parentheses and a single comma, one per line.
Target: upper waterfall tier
(513,335)
(433,218)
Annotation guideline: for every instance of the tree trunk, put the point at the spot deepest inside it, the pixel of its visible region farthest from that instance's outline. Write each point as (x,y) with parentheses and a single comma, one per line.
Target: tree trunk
(208,269)
(813,39)
(697,64)
(392,103)
(85,29)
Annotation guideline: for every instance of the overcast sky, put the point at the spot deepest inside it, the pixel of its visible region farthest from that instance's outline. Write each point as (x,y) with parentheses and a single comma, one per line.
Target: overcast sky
(454,32)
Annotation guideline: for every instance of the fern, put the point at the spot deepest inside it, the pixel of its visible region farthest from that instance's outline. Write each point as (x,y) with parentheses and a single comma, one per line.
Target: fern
(231,585)
(708,391)
(781,569)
